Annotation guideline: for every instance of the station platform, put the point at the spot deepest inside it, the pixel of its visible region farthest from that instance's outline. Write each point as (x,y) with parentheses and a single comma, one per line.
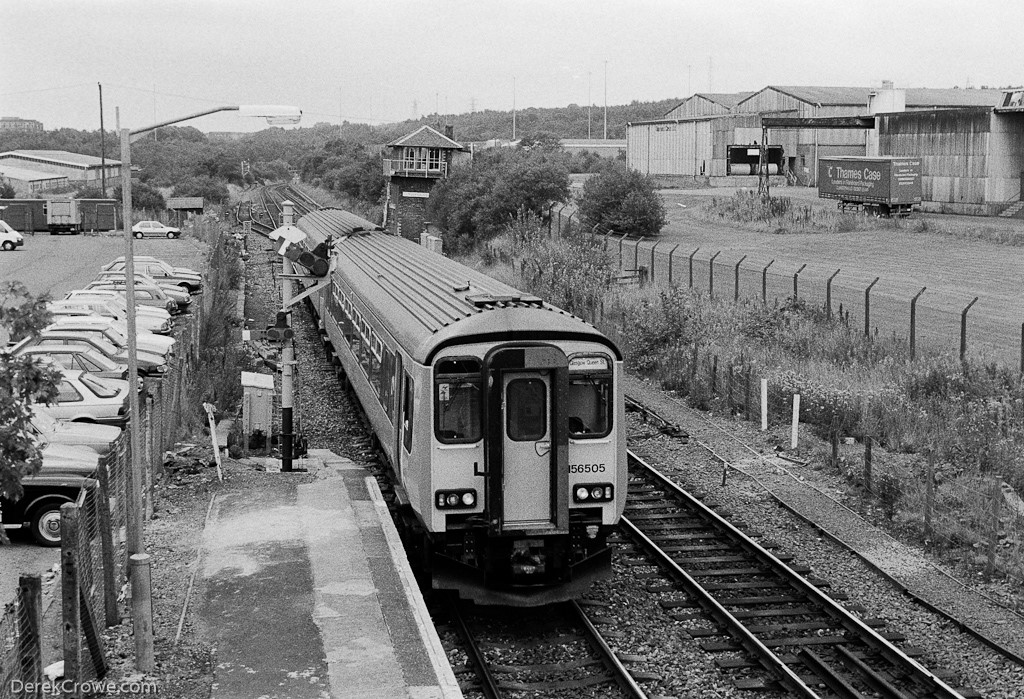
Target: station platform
(307,593)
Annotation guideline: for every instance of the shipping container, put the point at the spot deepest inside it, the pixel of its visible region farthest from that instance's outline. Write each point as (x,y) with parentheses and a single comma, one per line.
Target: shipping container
(24,215)
(883,185)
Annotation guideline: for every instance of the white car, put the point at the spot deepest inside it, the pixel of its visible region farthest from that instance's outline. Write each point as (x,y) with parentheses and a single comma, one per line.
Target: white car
(162,310)
(154,228)
(114,331)
(85,398)
(81,434)
(10,238)
(160,271)
(104,309)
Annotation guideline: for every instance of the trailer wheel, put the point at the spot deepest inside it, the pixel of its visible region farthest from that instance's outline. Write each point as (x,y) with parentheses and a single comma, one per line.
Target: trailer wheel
(8,245)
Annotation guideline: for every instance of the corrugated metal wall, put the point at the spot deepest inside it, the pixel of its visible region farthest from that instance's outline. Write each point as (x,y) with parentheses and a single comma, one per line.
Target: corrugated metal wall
(696,106)
(953,146)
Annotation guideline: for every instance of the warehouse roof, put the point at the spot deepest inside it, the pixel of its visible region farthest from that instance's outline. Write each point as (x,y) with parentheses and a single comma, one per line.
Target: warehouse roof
(426,137)
(916,97)
(58,157)
(26,175)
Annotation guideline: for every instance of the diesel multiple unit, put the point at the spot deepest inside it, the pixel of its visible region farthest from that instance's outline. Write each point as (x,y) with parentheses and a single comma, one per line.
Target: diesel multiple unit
(500,416)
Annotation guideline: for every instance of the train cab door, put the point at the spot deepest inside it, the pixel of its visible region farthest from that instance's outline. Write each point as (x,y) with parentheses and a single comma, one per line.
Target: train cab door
(527,443)
(526,449)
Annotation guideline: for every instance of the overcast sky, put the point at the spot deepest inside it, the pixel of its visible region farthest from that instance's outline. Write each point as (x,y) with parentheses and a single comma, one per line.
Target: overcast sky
(374,60)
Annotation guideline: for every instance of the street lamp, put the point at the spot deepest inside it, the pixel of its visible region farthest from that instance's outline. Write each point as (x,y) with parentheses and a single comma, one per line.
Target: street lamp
(276,115)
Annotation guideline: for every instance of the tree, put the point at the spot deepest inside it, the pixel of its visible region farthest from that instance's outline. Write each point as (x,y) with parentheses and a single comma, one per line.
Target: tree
(476,202)
(622,200)
(7,191)
(23,381)
(144,196)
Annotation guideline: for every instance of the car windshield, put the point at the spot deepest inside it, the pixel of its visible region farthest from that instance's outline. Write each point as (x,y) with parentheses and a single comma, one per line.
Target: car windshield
(100,388)
(44,421)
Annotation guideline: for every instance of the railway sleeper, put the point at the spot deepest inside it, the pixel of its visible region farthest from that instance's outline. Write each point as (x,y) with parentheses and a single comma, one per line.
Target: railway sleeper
(790,659)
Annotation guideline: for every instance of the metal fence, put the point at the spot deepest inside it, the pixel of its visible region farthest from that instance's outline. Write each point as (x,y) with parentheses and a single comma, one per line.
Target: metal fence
(924,319)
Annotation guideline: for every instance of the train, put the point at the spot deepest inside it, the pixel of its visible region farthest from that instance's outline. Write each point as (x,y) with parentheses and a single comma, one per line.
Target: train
(500,417)
(60,215)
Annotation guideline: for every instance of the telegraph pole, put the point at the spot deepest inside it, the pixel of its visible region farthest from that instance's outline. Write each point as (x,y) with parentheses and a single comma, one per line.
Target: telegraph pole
(606,100)
(288,351)
(103,148)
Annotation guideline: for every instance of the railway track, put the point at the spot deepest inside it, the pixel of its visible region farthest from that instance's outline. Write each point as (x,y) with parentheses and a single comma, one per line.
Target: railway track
(548,651)
(791,634)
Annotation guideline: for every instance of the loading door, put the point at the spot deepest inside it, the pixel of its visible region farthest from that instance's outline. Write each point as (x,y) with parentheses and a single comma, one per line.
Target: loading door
(526,449)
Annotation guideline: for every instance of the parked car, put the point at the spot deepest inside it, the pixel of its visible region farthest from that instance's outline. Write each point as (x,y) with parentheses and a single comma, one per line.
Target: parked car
(155,228)
(81,357)
(144,295)
(85,398)
(10,238)
(117,332)
(149,364)
(65,470)
(100,308)
(98,438)
(162,272)
(179,294)
(156,308)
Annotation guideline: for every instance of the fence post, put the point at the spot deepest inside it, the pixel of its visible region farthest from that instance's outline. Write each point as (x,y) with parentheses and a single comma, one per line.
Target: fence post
(867,462)
(620,249)
(30,629)
(764,282)
(673,252)
(746,396)
(693,368)
(913,322)
(711,274)
(550,214)
(828,294)
(1022,350)
(796,421)
(736,292)
(963,329)
(714,375)
(728,388)
(655,247)
(636,255)
(71,612)
(691,266)
(796,276)
(142,611)
(929,495)
(867,307)
(997,497)
(764,405)
(110,613)
(834,439)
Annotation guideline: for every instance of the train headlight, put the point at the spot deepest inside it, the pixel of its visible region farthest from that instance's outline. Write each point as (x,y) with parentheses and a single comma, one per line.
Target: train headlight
(593,492)
(455,499)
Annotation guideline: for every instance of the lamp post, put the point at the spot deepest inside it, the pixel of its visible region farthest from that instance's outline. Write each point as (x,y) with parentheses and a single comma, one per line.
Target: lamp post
(275,116)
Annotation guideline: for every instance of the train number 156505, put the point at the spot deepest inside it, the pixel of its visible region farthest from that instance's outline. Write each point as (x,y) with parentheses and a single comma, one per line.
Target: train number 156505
(586,468)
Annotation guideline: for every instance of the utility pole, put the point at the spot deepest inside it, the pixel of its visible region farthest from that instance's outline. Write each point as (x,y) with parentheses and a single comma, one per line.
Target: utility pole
(590,102)
(606,100)
(288,351)
(513,108)
(103,147)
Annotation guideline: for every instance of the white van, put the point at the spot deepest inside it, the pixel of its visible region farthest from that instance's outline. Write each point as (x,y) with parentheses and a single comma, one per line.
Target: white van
(10,238)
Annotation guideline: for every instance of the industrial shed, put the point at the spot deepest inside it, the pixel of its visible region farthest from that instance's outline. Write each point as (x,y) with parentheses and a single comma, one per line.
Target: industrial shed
(972,158)
(715,136)
(26,181)
(76,167)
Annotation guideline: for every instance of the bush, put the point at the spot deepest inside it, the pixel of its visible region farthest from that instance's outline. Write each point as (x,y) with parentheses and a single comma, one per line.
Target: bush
(622,200)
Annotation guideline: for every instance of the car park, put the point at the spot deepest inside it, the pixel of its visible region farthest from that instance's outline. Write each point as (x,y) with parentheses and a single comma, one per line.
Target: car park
(10,238)
(161,272)
(85,398)
(116,331)
(148,364)
(145,304)
(99,308)
(144,229)
(65,470)
(179,294)
(98,438)
(79,357)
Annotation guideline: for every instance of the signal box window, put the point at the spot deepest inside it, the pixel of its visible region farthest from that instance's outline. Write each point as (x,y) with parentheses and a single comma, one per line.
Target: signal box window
(457,406)
(526,401)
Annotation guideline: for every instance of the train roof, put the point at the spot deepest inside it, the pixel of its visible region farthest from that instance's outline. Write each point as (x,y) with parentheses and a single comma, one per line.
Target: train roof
(428,301)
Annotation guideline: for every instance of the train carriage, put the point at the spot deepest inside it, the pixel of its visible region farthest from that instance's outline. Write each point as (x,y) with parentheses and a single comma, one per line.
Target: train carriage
(501,416)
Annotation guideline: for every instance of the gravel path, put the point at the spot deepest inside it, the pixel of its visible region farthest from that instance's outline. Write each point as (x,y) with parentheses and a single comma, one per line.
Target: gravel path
(756,487)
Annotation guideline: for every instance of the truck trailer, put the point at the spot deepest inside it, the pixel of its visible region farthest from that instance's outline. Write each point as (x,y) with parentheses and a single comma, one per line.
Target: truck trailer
(60,215)
(884,185)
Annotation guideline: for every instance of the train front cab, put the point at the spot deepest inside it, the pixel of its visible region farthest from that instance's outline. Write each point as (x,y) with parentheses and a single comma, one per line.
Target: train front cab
(537,433)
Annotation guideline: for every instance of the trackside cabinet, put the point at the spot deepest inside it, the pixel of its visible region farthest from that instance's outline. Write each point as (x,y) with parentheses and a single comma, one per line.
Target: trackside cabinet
(257,404)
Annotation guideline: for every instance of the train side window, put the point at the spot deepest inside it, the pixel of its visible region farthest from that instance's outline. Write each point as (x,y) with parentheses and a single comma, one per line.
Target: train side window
(589,406)
(457,406)
(387,383)
(407,410)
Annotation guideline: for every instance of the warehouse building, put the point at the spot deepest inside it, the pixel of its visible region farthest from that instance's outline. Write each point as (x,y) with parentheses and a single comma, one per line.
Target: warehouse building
(25,181)
(717,136)
(77,168)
